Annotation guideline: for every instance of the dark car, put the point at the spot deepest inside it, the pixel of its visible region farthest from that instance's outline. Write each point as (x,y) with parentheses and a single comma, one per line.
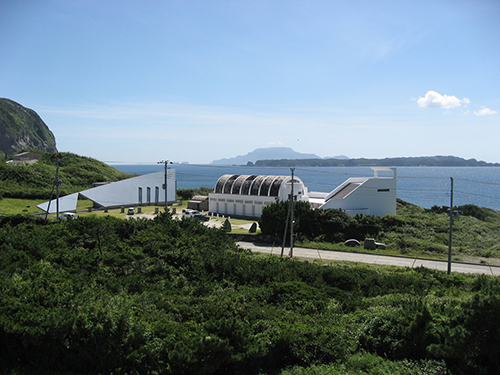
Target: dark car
(201,217)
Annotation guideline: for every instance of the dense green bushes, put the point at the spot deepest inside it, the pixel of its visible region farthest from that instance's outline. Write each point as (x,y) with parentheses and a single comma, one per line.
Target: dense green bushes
(186,194)
(102,295)
(321,225)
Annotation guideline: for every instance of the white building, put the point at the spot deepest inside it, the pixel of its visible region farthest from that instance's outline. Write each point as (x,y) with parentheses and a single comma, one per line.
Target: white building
(247,195)
(364,195)
(136,191)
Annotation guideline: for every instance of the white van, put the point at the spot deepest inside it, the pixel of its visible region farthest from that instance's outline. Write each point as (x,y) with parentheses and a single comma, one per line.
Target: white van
(68,216)
(189,212)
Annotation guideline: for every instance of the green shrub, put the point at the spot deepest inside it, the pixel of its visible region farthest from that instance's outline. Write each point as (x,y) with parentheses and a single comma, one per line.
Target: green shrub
(226,226)
(187,194)
(105,295)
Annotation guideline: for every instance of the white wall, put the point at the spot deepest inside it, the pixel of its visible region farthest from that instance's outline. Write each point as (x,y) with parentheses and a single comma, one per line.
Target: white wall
(126,192)
(123,193)
(375,196)
(238,205)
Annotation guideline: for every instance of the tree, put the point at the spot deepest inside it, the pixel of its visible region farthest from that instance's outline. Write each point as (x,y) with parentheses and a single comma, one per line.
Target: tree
(329,225)
(226,226)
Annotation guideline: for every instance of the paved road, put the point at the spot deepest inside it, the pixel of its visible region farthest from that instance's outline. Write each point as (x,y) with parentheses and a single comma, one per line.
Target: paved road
(374,259)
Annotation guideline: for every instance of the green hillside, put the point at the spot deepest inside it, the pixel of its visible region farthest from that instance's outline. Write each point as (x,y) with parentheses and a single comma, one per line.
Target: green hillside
(36,181)
(22,128)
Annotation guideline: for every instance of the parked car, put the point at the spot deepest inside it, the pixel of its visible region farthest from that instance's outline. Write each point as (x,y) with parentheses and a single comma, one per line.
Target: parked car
(131,211)
(189,212)
(68,216)
(201,217)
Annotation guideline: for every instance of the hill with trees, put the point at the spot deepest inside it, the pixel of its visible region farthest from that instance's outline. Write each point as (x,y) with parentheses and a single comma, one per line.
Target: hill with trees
(22,128)
(35,181)
(163,296)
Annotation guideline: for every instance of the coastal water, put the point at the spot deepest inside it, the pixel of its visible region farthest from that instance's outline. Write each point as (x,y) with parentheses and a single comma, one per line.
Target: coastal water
(423,186)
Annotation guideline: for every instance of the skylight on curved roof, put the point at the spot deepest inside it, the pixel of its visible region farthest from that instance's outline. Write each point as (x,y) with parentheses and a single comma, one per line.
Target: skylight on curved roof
(263,185)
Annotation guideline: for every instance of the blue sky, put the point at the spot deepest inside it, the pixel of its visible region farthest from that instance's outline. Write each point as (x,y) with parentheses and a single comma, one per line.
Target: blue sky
(196,81)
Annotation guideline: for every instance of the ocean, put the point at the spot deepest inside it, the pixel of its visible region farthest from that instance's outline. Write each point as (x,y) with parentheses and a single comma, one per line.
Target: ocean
(423,186)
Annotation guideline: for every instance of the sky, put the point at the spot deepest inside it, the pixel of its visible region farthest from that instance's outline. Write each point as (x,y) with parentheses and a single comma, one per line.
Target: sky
(196,81)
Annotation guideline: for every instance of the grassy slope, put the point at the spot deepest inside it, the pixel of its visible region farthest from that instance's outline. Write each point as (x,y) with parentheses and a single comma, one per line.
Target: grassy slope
(428,233)
(417,232)
(35,181)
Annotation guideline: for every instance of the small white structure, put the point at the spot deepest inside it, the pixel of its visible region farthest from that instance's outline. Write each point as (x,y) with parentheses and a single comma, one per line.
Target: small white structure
(136,191)
(247,195)
(25,158)
(364,195)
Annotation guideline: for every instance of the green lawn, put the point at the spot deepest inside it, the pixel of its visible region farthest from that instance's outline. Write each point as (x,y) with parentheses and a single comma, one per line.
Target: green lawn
(13,206)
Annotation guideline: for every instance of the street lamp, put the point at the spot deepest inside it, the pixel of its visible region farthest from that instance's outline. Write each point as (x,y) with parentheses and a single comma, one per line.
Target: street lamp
(166,162)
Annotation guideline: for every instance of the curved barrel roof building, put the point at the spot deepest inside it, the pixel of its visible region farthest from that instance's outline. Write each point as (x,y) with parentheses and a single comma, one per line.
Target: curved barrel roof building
(247,195)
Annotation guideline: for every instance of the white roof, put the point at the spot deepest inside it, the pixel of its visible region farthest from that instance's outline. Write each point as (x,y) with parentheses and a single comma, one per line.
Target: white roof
(66,203)
(120,193)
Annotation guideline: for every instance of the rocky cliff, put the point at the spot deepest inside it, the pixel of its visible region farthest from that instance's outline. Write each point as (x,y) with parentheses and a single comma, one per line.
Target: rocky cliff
(21,128)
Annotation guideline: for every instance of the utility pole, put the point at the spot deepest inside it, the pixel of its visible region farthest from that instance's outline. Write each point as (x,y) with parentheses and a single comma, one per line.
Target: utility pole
(57,182)
(51,195)
(451,227)
(286,227)
(166,162)
(288,216)
(292,202)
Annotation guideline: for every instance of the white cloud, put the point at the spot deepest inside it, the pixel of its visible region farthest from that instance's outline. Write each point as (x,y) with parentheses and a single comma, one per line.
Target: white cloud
(436,100)
(485,111)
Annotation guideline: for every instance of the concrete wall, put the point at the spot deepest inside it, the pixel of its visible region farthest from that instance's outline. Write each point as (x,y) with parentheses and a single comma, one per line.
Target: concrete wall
(249,206)
(374,196)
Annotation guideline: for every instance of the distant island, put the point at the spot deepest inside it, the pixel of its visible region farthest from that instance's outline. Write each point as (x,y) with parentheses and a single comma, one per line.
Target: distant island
(287,157)
(265,154)
(421,161)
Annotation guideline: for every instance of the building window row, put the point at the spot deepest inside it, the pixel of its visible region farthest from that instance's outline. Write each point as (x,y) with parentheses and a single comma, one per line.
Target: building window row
(140,196)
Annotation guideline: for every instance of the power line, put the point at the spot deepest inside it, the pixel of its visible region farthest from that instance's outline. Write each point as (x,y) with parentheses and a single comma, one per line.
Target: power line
(477,181)
(477,195)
